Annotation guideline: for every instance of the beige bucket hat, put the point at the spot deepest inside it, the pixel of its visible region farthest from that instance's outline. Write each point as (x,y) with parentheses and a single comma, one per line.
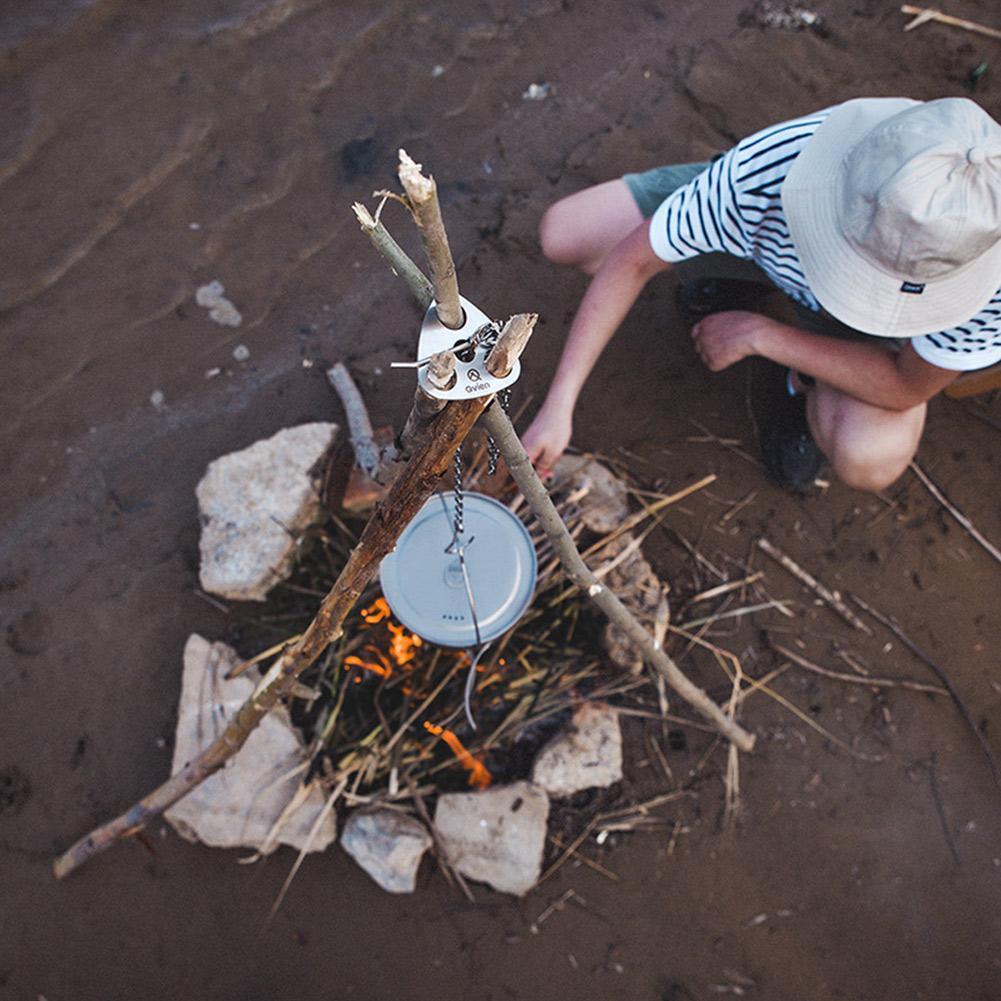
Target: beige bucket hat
(895,209)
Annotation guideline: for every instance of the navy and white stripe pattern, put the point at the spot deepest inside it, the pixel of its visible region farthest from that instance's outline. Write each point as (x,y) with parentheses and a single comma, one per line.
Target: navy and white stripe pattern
(735,206)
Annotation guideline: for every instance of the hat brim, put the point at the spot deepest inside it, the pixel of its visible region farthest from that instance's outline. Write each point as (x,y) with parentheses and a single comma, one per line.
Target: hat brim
(850,287)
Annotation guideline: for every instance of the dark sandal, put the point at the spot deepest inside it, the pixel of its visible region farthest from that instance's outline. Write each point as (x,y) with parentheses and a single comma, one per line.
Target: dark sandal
(791,457)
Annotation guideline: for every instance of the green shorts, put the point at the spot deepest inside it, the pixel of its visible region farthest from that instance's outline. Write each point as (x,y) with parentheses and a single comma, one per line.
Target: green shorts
(651,187)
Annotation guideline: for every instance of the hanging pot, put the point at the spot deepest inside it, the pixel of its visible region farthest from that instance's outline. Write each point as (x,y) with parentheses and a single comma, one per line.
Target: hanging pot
(426,588)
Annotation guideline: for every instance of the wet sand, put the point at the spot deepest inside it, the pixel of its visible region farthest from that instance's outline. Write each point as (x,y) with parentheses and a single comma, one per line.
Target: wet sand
(145,151)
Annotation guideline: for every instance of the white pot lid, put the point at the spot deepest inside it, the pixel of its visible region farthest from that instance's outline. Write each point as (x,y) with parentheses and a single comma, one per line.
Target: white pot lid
(424,585)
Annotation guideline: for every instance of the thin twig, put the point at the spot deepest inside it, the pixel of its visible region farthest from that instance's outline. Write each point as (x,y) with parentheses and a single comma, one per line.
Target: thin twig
(936,796)
(359,425)
(311,837)
(925,14)
(401,264)
(721,589)
(937,493)
(590,863)
(826,595)
(568,852)
(854,679)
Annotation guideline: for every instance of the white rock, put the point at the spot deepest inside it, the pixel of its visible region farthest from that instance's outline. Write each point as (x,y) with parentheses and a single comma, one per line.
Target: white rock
(588,755)
(221,310)
(254,505)
(241,805)
(388,845)
(496,836)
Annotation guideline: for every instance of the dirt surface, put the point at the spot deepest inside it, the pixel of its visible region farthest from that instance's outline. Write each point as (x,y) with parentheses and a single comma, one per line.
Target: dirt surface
(148,149)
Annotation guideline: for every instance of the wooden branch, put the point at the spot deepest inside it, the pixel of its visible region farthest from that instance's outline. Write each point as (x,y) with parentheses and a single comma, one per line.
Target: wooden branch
(442,367)
(441,373)
(422,194)
(359,425)
(827,596)
(510,344)
(409,492)
(854,679)
(400,263)
(519,465)
(925,14)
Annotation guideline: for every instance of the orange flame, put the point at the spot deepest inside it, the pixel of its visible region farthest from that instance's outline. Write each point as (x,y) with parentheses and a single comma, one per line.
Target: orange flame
(479,777)
(376,612)
(403,646)
(384,669)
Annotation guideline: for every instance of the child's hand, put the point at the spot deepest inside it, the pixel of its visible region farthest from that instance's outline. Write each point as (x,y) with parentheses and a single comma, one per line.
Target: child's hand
(547,438)
(722,339)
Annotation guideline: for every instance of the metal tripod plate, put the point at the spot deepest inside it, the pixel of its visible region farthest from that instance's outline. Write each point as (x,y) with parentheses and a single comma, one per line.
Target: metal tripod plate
(471,377)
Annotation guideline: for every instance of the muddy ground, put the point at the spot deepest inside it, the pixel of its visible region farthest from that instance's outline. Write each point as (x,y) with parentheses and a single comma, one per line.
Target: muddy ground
(148,149)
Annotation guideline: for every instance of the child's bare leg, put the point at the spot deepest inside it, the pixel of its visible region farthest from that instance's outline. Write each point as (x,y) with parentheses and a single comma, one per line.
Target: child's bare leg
(869,447)
(582,228)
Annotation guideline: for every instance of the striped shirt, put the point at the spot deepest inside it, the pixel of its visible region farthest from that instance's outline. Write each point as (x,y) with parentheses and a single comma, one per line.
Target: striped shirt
(735,206)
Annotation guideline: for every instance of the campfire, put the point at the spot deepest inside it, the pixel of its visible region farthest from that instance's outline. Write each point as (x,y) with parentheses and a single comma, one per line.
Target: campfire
(383,709)
(387,715)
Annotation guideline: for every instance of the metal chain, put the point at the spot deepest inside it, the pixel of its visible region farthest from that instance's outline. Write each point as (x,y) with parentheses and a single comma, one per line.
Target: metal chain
(493,449)
(457,516)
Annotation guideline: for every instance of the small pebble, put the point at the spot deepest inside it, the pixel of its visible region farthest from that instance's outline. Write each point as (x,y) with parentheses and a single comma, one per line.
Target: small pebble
(537,92)
(157,398)
(221,310)
(241,352)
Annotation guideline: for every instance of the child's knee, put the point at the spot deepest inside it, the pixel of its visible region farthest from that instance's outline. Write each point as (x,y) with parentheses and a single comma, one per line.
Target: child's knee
(555,234)
(869,476)
(873,458)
